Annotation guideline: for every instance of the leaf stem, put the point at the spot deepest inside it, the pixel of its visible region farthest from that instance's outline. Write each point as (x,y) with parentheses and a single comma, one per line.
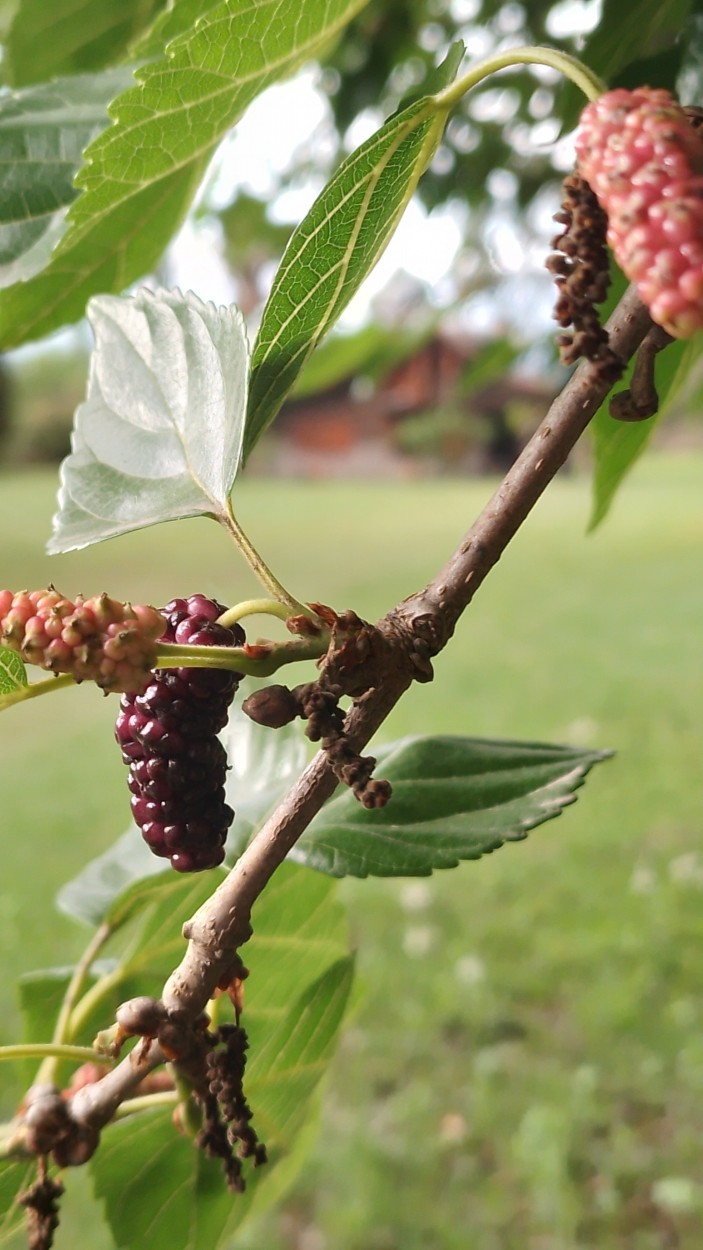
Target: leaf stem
(191,1120)
(80,973)
(261,570)
(85,1006)
(40,1050)
(62,1028)
(34,689)
(254,607)
(591,85)
(146,1102)
(259,660)
(12,1141)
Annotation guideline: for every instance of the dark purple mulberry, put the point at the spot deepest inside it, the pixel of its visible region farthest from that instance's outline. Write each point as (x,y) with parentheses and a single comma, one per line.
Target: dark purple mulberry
(168,736)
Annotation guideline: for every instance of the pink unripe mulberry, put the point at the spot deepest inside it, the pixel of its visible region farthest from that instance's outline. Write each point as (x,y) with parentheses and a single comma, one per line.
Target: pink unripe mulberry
(100,639)
(644,161)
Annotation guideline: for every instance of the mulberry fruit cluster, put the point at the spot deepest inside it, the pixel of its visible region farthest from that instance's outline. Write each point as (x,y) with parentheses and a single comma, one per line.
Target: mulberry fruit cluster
(168,736)
(99,639)
(644,160)
(581,268)
(226,1113)
(318,704)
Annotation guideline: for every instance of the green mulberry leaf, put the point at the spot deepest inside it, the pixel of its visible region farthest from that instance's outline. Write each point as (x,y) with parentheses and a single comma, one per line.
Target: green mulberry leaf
(453,799)
(160,433)
(618,445)
(49,39)
(333,250)
(13,674)
(14,1179)
(140,176)
(43,131)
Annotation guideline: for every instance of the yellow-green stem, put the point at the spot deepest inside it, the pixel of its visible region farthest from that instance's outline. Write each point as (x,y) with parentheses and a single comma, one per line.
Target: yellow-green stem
(570,66)
(86,1005)
(42,1050)
(254,607)
(35,689)
(191,1115)
(147,1102)
(62,1029)
(78,980)
(259,567)
(273,655)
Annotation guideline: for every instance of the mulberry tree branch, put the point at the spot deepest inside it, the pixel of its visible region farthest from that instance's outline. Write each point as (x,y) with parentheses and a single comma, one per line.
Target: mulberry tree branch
(416,630)
(453,588)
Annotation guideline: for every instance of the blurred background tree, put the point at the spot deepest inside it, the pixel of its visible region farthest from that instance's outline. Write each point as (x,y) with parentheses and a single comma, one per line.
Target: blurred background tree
(479,229)
(508,143)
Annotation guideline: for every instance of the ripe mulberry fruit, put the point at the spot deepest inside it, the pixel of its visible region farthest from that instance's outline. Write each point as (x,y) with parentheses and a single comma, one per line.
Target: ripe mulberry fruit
(644,161)
(168,736)
(99,639)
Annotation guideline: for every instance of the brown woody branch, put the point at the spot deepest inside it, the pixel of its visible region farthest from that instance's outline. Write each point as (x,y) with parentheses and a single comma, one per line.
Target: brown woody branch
(417,629)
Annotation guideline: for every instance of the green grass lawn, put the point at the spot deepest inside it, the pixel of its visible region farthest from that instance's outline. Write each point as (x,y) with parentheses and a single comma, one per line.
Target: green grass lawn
(524,1068)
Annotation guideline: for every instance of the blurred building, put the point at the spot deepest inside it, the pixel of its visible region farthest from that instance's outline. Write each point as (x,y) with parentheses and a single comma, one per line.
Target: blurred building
(429,411)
